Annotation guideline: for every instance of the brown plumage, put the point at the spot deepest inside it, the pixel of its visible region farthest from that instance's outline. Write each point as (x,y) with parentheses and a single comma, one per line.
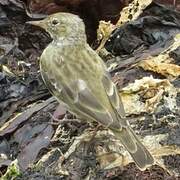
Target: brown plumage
(77,76)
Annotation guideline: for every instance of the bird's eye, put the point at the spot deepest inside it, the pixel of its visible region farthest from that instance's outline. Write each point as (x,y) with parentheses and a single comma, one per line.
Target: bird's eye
(55,22)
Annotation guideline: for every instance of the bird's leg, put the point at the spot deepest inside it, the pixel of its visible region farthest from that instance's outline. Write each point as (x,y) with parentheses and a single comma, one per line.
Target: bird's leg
(58,114)
(95,132)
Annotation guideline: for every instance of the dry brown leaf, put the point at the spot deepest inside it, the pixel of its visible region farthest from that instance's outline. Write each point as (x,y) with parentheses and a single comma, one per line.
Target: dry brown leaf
(13,123)
(31,149)
(151,91)
(106,159)
(103,32)
(131,12)
(165,69)
(162,63)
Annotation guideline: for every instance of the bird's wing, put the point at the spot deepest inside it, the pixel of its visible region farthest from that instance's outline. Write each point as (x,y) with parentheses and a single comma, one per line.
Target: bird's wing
(48,82)
(54,87)
(77,95)
(112,94)
(85,102)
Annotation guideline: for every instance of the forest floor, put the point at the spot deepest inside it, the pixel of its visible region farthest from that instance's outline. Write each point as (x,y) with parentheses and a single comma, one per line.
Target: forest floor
(40,139)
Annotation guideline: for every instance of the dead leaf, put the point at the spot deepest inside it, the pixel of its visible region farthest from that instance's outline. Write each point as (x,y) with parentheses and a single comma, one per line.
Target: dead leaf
(13,124)
(29,153)
(131,12)
(133,93)
(166,69)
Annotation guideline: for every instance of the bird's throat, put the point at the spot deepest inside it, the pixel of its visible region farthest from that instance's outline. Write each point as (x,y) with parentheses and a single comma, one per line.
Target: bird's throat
(65,41)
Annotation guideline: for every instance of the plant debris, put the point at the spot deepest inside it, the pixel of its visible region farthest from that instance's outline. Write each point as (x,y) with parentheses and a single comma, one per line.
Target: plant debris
(140,43)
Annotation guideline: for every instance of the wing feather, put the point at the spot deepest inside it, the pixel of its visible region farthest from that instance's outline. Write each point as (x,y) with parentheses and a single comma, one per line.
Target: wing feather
(87,103)
(113,95)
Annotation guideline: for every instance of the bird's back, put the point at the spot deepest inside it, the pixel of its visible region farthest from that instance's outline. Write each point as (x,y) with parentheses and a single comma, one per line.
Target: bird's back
(74,63)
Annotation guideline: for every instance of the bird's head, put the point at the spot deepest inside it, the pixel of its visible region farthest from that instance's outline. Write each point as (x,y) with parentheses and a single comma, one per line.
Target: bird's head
(62,25)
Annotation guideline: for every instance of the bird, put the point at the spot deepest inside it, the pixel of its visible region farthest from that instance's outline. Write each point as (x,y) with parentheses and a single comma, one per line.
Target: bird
(78,78)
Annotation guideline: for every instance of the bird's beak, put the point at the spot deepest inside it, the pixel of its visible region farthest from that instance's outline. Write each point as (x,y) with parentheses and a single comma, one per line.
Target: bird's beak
(40,23)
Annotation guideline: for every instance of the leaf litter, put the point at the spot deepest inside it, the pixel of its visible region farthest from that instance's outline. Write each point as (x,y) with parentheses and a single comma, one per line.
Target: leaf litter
(142,53)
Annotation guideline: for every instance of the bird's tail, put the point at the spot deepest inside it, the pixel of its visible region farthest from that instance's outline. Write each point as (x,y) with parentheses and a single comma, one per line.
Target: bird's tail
(139,153)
